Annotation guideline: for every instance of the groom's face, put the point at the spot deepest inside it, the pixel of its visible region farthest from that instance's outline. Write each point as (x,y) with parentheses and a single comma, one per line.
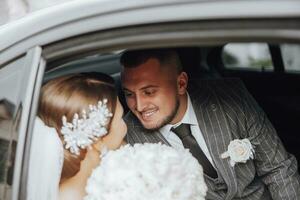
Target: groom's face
(152,93)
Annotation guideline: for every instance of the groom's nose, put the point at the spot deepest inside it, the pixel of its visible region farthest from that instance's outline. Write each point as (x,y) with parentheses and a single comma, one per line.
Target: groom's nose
(139,103)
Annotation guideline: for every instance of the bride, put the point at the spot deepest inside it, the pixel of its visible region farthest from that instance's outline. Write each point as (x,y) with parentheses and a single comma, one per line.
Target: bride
(79,120)
(62,103)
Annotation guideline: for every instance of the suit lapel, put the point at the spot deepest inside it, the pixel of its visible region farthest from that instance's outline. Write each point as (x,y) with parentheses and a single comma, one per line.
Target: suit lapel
(153,137)
(139,134)
(214,127)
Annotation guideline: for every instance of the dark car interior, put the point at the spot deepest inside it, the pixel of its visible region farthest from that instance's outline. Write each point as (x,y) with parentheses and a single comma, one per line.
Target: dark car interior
(275,87)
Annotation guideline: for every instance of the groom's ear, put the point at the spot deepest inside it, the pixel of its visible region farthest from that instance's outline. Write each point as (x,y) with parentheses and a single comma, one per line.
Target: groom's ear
(182,81)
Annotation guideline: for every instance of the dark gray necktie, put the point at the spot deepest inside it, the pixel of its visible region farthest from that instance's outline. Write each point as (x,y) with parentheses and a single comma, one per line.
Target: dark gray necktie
(183,131)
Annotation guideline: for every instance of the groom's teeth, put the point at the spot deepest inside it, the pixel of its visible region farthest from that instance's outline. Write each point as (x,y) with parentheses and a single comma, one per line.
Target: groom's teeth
(148,114)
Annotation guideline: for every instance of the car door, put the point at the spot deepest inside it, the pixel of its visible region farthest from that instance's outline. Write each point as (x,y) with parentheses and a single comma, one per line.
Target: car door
(18,80)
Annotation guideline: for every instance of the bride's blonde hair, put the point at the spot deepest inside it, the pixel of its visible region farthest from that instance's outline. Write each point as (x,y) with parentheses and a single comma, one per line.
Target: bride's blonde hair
(71,94)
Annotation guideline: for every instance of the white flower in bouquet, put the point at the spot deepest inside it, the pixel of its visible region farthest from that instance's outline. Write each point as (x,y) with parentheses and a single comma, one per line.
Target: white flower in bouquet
(149,171)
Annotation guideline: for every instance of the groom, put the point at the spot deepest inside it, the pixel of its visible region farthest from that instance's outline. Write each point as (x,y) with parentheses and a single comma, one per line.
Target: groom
(205,116)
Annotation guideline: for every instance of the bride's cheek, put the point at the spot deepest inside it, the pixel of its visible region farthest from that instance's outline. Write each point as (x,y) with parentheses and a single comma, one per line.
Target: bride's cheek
(111,140)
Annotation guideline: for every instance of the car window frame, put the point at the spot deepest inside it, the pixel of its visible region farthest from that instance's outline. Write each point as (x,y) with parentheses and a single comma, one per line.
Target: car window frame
(191,33)
(33,69)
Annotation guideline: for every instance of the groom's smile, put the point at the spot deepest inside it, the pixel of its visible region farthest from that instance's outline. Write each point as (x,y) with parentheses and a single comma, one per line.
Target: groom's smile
(148,115)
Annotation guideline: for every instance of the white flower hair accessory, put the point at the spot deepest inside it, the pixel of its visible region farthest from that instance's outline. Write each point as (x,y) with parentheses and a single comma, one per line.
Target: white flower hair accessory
(83,131)
(239,151)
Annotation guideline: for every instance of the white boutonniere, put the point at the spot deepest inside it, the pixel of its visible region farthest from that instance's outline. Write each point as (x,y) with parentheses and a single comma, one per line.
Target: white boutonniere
(239,151)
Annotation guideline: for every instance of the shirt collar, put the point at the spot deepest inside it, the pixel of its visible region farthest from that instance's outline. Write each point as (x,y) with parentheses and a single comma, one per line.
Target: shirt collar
(188,118)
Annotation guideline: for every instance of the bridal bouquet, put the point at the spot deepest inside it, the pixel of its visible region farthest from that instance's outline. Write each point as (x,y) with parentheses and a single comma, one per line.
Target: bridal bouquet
(148,172)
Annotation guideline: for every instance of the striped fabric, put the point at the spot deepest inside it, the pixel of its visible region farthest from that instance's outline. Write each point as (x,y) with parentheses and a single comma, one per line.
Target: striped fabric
(226,111)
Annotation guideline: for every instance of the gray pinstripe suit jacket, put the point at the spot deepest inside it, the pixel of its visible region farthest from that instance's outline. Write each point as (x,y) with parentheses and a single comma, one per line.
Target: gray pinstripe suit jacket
(226,111)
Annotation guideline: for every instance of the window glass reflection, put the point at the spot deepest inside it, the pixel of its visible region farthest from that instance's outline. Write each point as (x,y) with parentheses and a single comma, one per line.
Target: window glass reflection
(250,56)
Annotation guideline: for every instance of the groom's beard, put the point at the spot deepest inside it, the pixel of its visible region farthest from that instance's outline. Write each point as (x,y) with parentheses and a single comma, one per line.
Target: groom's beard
(167,119)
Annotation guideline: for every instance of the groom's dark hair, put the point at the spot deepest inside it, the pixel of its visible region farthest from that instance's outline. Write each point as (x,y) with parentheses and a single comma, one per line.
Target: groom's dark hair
(134,58)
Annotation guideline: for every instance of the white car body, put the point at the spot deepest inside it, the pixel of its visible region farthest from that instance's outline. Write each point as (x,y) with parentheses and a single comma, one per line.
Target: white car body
(63,32)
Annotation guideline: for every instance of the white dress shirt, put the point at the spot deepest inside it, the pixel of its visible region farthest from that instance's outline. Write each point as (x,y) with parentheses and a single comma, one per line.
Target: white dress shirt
(188,118)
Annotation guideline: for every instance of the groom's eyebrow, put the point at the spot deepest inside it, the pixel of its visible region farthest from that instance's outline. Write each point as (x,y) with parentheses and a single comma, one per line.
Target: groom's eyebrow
(143,88)
(125,89)
(148,86)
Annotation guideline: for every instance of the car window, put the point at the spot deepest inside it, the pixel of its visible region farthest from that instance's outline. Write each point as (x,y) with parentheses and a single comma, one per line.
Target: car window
(10,112)
(290,55)
(247,56)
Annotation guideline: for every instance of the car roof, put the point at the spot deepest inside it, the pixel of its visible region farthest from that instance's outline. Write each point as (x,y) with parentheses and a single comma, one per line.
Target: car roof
(79,17)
